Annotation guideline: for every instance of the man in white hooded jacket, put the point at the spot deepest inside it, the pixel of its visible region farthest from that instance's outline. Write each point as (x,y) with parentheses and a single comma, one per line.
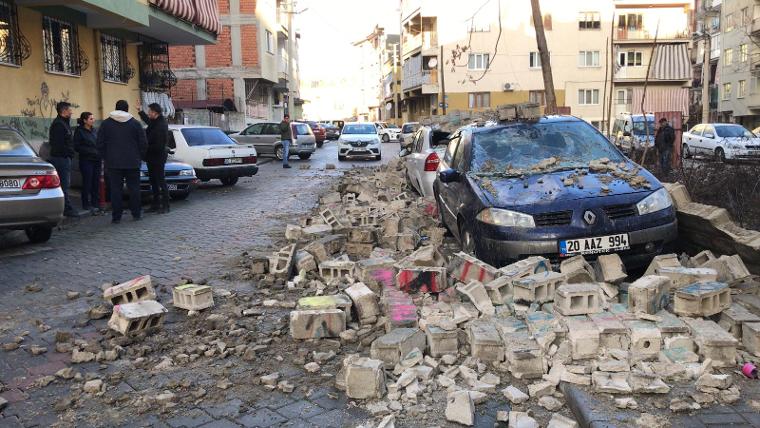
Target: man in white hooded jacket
(122,145)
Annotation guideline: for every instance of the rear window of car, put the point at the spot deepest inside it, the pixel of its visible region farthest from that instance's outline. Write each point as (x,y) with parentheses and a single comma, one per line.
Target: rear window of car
(409,128)
(302,129)
(206,137)
(13,144)
(521,147)
(359,129)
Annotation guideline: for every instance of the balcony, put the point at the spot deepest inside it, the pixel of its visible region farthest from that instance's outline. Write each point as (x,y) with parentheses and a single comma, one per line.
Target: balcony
(634,35)
(754,64)
(755,27)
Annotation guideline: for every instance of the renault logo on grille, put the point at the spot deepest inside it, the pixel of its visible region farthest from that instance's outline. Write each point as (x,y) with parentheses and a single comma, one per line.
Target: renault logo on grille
(589,217)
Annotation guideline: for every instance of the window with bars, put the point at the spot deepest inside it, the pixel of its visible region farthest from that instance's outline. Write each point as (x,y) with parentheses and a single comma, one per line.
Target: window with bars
(9,37)
(115,65)
(61,44)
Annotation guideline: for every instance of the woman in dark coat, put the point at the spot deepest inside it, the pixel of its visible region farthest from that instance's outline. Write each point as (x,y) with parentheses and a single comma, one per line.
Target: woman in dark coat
(85,138)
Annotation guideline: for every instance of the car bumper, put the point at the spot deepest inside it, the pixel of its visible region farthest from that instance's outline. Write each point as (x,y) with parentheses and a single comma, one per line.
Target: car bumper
(45,208)
(303,149)
(182,186)
(226,172)
(743,154)
(359,152)
(640,253)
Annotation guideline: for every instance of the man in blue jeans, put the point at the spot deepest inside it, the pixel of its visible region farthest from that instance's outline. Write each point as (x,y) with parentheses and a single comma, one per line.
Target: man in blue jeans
(62,151)
(286,135)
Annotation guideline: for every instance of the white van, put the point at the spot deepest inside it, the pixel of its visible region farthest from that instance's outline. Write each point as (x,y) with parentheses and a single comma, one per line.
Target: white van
(630,131)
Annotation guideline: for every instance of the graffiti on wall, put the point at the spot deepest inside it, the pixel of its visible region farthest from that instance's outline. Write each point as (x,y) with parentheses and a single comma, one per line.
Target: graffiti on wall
(34,121)
(44,104)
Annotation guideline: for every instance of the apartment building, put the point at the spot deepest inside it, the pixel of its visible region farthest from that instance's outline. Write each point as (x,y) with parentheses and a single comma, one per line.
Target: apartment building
(247,70)
(91,54)
(391,93)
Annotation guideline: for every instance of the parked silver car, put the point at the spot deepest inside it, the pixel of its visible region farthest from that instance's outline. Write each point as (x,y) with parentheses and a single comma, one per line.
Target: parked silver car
(265,137)
(31,198)
(422,157)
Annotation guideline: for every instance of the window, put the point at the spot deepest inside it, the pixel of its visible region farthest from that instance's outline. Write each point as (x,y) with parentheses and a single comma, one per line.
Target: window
(745,17)
(729,23)
(478,62)
(480,99)
(715,23)
(630,59)
(538,97)
(742,90)
(631,22)
(624,96)
(588,96)
(589,21)
(61,44)
(728,57)
(115,66)
(743,52)
(10,49)
(726,91)
(588,59)
(534,60)
(270,42)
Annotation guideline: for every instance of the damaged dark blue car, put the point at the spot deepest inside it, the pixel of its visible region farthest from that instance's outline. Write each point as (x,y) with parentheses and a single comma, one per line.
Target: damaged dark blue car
(553,187)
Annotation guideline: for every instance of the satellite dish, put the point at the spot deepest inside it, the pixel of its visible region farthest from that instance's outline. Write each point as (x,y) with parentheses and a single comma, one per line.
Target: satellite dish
(433,62)
(388,106)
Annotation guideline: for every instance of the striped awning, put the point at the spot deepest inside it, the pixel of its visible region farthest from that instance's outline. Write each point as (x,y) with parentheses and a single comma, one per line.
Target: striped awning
(204,13)
(661,99)
(671,63)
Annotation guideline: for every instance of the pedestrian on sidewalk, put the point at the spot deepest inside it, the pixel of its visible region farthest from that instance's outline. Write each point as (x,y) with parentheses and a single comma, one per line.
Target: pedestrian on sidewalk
(62,151)
(663,141)
(157,134)
(86,144)
(286,136)
(122,145)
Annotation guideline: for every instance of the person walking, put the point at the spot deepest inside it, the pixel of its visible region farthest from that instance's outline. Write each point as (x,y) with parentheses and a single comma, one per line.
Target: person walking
(122,144)
(663,141)
(157,134)
(62,152)
(286,136)
(85,143)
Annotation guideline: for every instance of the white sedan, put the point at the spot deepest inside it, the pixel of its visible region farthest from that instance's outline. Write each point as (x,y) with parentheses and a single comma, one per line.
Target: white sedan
(212,153)
(387,132)
(724,141)
(422,157)
(359,140)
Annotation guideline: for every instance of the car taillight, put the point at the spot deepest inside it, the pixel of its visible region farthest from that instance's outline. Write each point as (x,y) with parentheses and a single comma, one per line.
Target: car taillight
(213,162)
(36,182)
(431,162)
(249,159)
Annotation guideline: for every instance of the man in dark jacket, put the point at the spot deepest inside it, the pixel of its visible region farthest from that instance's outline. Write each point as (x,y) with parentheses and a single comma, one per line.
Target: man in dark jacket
(122,145)
(62,151)
(286,137)
(158,134)
(663,141)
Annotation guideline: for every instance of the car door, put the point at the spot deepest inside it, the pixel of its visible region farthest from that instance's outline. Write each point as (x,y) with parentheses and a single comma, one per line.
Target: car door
(252,135)
(414,164)
(270,137)
(447,191)
(692,137)
(709,140)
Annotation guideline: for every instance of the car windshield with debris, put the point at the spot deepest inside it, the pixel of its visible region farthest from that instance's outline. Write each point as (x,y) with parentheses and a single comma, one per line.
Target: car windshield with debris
(732,131)
(538,148)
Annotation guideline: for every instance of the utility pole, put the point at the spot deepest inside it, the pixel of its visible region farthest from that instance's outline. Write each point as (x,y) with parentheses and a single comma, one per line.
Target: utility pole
(291,38)
(706,80)
(543,50)
(611,61)
(443,83)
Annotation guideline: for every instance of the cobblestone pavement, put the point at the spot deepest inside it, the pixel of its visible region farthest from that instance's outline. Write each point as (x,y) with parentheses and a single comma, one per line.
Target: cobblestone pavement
(201,238)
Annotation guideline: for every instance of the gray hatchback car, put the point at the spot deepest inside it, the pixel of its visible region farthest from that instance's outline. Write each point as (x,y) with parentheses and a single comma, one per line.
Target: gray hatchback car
(265,137)
(31,198)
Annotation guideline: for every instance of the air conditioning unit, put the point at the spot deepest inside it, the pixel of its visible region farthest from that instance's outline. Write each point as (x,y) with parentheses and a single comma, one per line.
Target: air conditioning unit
(508,87)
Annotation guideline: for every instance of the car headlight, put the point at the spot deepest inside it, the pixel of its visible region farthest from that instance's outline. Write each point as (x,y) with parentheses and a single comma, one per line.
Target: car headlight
(499,217)
(187,172)
(657,201)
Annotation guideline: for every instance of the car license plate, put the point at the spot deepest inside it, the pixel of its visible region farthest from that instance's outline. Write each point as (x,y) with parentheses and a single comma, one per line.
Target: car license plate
(172,187)
(233,161)
(10,184)
(597,245)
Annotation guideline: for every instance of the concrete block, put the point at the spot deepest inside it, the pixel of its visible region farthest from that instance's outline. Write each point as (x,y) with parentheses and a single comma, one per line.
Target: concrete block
(678,355)
(577,299)
(392,347)
(679,194)
(460,408)
(335,301)
(192,297)
(365,378)
(293,232)
(323,249)
(751,337)
(681,276)
(485,342)
(611,383)
(133,318)
(476,292)
(317,324)
(671,325)
(610,269)
(336,269)
(733,318)
(426,256)
(359,250)
(329,217)
(400,241)
(399,308)
(713,342)
(701,258)
(729,268)
(314,231)
(465,268)
(525,267)
(661,261)
(305,261)
(644,383)
(702,299)
(365,303)
(560,421)
(441,342)
(584,338)
(539,288)
(521,420)
(646,340)
(134,290)
(420,279)
(499,290)
(374,272)
(523,355)
(281,262)
(577,270)
(613,334)
(649,294)
(365,235)
(514,395)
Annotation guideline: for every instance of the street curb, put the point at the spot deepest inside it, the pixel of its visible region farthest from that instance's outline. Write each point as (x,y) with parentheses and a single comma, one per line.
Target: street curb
(580,403)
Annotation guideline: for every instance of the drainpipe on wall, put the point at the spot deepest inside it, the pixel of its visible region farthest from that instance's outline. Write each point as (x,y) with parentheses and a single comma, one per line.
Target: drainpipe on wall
(99,82)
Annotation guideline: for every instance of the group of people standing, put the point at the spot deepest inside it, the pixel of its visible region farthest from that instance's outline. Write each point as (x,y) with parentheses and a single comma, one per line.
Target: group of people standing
(121,144)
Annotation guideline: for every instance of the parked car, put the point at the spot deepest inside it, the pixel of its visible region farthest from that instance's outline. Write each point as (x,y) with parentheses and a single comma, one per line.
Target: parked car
(180,178)
(407,131)
(504,191)
(332,132)
(359,139)
(212,153)
(31,198)
(630,131)
(319,132)
(725,141)
(422,157)
(265,137)
(387,132)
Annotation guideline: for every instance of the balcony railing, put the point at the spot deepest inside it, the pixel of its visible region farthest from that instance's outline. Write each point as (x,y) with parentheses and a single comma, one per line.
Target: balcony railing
(423,40)
(424,77)
(643,34)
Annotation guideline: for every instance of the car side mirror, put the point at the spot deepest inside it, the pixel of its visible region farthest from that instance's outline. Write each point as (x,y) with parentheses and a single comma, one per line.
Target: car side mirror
(626,134)
(448,175)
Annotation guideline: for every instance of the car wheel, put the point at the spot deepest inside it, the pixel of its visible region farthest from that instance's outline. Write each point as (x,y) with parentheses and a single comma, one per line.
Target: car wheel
(720,155)
(685,152)
(341,158)
(229,181)
(38,234)
(378,157)
(179,196)
(386,138)
(279,152)
(304,156)
(320,144)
